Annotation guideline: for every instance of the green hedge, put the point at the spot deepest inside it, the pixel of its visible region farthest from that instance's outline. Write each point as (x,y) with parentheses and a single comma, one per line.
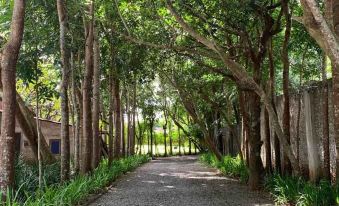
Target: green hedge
(76,190)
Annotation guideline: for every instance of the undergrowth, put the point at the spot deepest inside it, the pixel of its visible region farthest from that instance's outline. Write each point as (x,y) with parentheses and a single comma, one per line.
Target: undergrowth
(229,166)
(78,189)
(286,190)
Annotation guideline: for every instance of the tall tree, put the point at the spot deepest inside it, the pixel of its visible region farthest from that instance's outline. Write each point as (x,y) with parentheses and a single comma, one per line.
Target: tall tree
(326,137)
(86,94)
(117,116)
(286,71)
(9,58)
(134,106)
(65,56)
(96,102)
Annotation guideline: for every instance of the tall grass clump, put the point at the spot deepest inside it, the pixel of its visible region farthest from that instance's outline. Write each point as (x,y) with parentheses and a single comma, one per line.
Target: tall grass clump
(287,190)
(229,166)
(77,190)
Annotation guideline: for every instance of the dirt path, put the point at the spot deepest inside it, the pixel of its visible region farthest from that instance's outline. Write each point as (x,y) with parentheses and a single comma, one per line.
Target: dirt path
(179,181)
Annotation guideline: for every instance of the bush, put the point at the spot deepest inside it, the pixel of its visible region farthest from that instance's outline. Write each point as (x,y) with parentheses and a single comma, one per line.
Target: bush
(297,191)
(230,166)
(76,190)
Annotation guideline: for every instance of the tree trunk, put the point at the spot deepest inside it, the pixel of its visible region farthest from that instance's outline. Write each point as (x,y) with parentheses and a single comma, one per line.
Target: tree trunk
(165,132)
(271,95)
(9,60)
(335,100)
(65,57)
(123,139)
(128,111)
(80,124)
(76,110)
(110,118)
(148,143)
(117,116)
(287,170)
(245,123)
(335,83)
(170,137)
(179,141)
(151,133)
(96,102)
(326,138)
(268,144)
(132,148)
(86,92)
(255,163)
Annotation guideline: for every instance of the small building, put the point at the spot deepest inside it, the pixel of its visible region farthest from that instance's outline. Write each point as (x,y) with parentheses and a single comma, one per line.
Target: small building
(51,131)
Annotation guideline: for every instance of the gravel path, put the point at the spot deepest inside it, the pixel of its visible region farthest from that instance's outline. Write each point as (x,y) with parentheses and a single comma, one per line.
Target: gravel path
(179,181)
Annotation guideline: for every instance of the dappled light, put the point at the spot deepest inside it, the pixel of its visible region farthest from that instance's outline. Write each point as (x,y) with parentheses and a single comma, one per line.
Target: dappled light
(170,102)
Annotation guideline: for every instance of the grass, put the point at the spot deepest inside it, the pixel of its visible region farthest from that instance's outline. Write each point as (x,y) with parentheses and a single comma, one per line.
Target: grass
(77,190)
(229,166)
(27,181)
(285,190)
(288,190)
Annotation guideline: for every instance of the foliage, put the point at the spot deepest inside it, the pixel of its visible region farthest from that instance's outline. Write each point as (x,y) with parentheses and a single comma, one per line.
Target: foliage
(26,177)
(78,189)
(297,191)
(230,166)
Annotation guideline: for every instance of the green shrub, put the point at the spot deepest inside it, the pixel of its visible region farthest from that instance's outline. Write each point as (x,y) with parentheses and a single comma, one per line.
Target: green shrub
(230,166)
(297,191)
(77,189)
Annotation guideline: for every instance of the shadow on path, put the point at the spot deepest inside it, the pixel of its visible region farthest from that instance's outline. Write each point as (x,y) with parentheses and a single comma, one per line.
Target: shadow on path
(179,181)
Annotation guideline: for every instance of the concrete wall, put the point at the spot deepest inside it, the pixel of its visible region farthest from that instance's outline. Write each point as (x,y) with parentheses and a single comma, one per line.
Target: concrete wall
(312,115)
(51,130)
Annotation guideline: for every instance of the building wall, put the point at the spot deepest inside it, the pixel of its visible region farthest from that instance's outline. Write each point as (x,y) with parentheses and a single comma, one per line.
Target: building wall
(51,130)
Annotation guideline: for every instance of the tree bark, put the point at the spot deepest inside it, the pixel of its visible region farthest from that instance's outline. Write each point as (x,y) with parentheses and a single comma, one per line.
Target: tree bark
(80,118)
(132,148)
(117,116)
(86,100)
(128,111)
(165,131)
(170,138)
(179,141)
(286,69)
(96,102)
(255,143)
(123,139)
(9,60)
(110,117)
(76,109)
(326,138)
(65,57)
(268,144)
(245,122)
(151,134)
